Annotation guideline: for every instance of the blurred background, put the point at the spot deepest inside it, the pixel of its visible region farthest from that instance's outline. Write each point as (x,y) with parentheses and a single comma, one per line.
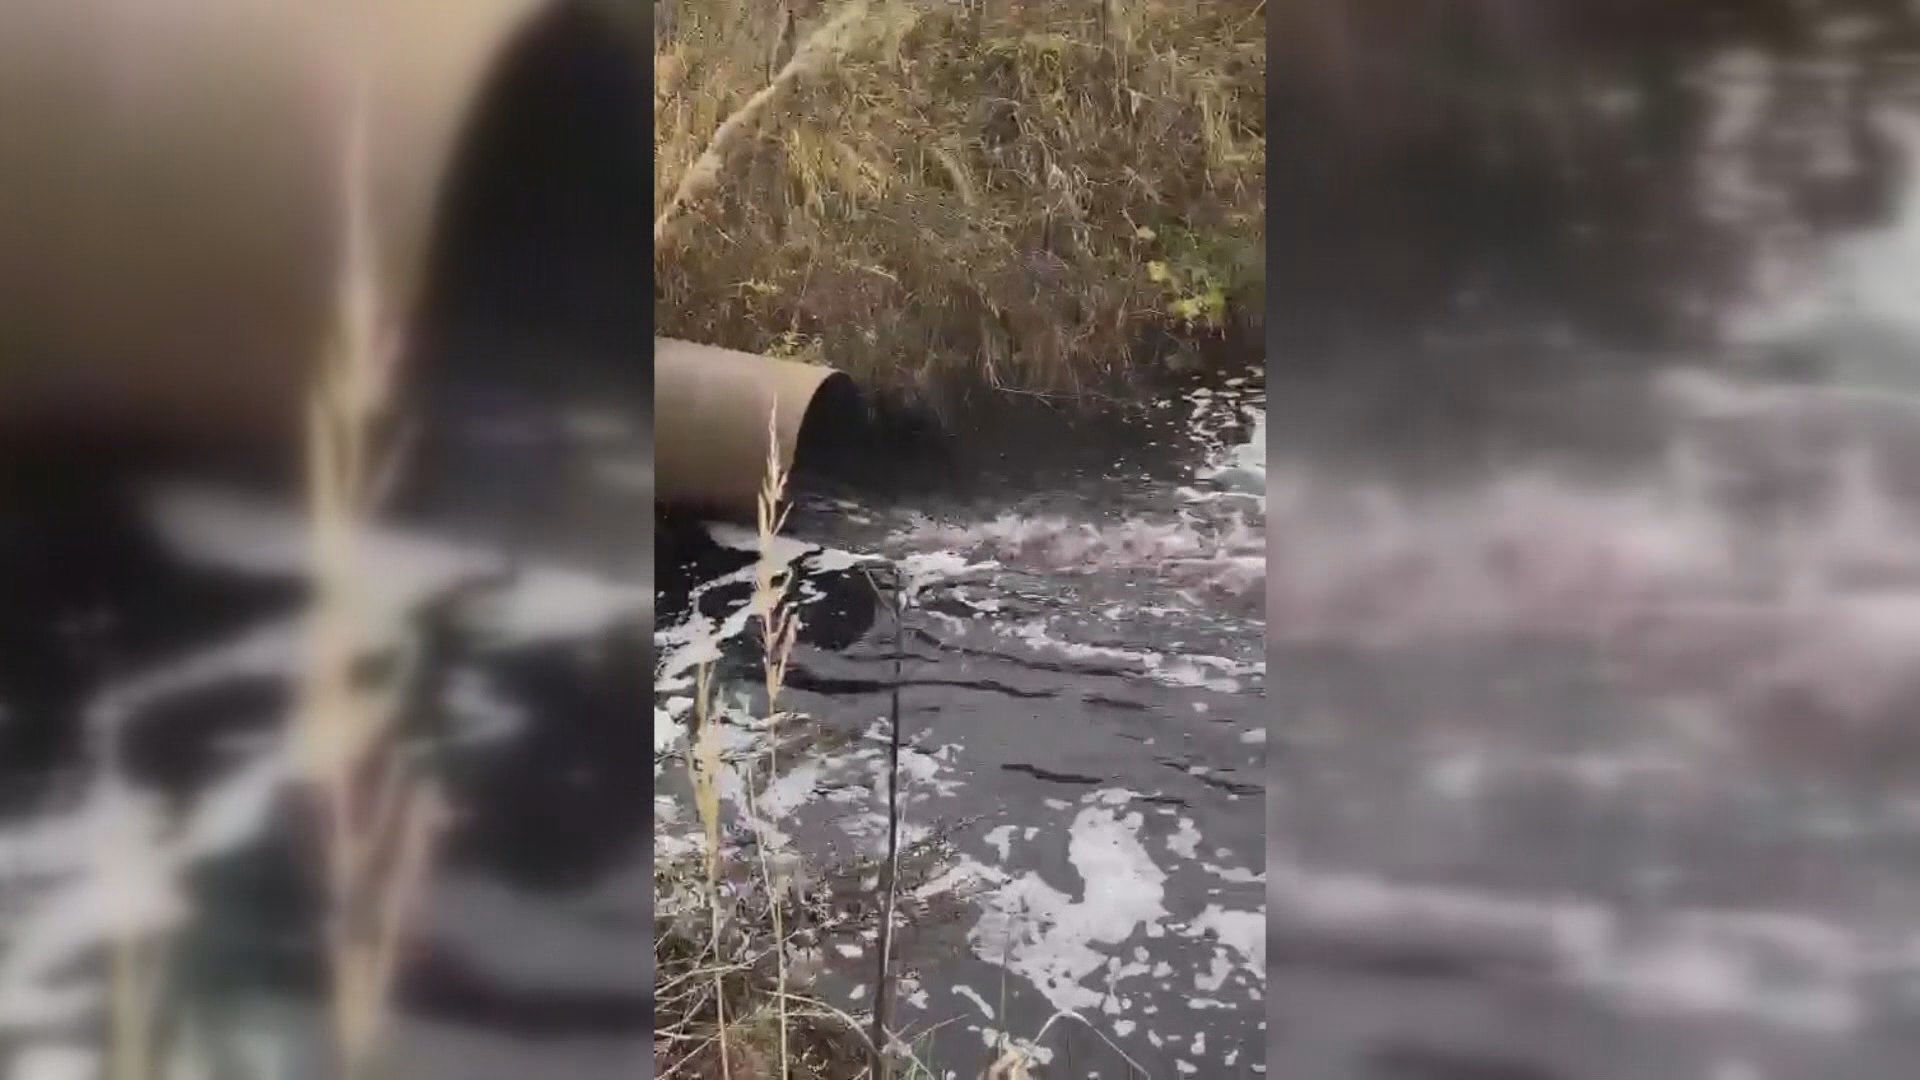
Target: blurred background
(1591,593)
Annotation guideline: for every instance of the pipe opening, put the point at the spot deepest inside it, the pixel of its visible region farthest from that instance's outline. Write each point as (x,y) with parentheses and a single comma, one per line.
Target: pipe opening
(542,246)
(862,445)
(832,441)
(531,309)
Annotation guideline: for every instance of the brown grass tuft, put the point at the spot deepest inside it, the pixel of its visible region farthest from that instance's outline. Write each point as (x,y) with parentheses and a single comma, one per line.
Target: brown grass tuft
(1005,193)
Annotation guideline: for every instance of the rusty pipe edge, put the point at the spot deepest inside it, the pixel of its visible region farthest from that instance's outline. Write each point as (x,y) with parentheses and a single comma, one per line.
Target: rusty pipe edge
(170,217)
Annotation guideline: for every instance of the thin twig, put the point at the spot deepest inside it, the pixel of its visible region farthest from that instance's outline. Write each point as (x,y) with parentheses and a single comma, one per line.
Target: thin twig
(703,761)
(820,48)
(777,630)
(883,984)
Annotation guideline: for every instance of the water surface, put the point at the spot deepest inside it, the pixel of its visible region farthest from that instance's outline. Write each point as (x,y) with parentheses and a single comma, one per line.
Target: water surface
(1082,690)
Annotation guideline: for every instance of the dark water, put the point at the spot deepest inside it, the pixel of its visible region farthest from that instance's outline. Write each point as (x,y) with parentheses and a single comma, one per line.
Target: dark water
(145,696)
(1590,595)
(1082,692)
(1603,772)
(1594,747)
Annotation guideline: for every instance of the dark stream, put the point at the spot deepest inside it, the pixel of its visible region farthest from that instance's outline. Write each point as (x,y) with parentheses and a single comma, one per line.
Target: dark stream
(1082,694)
(151,637)
(1591,596)
(1603,766)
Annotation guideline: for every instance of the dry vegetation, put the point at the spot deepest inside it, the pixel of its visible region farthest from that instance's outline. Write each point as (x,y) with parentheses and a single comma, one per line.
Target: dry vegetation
(376,812)
(380,811)
(726,1004)
(935,196)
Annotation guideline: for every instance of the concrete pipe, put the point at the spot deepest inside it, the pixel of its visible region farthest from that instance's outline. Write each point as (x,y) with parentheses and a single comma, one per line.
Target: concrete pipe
(712,408)
(171,204)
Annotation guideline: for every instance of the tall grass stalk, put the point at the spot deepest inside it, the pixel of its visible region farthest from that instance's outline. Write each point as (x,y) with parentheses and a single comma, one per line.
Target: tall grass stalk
(134,982)
(378,816)
(703,767)
(778,626)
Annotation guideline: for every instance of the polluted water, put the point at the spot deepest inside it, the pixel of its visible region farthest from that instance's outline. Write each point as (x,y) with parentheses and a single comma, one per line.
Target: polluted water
(1081,683)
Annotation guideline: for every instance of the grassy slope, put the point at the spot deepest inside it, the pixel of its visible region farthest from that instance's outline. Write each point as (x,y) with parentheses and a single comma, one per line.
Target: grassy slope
(1038,196)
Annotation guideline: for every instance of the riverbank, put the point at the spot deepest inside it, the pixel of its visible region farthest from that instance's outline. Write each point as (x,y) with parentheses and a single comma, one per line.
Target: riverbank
(1044,198)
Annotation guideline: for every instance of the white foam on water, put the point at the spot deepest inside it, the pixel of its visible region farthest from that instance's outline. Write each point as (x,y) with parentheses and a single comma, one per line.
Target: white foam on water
(1203,563)
(1243,466)
(699,639)
(979,1002)
(1858,299)
(1661,571)
(401,569)
(108,865)
(1068,940)
(1071,944)
(1000,838)
(1783,968)
(1186,841)
(1244,932)
(1052,939)
(127,886)
(1193,670)
(782,551)
(683,648)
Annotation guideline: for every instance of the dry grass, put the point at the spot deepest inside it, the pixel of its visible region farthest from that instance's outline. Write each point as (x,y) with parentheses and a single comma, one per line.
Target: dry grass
(935,196)
(725,1001)
(727,1004)
(378,813)
(724,998)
